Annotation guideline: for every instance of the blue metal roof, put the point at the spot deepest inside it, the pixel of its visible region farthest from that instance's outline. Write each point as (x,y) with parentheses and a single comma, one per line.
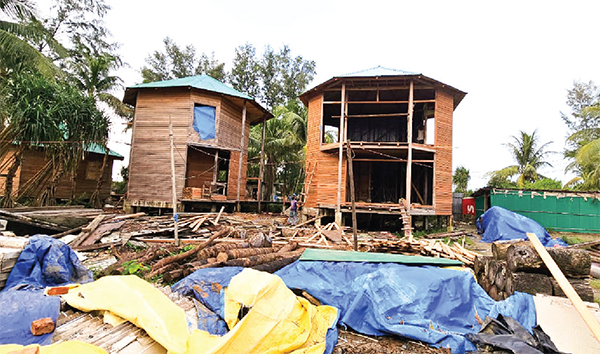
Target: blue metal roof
(379,71)
(202,82)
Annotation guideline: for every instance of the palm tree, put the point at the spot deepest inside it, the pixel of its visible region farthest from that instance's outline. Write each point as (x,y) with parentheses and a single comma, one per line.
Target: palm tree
(461,179)
(92,75)
(285,140)
(16,53)
(529,158)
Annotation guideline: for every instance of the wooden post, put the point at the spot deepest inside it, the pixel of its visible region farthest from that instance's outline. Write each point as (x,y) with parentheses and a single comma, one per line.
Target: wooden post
(261,172)
(409,137)
(174,191)
(239,180)
(216,169)
(351,181)
(566,287)
(338,209)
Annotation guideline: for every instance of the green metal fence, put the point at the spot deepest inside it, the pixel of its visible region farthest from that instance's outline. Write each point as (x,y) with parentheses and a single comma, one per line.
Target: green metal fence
(567,212)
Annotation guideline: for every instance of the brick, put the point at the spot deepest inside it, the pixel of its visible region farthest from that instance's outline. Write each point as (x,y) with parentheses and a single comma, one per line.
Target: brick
(42,326)
(58,290)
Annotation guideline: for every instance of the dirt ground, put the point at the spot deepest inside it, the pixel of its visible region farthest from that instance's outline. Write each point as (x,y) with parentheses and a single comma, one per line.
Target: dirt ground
(354,343)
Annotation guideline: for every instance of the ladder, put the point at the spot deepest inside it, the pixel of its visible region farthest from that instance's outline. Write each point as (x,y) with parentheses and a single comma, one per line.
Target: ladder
(307,186)
(406,221)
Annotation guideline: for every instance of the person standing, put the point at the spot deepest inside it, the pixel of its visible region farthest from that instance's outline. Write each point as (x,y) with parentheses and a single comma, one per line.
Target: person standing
(293,219)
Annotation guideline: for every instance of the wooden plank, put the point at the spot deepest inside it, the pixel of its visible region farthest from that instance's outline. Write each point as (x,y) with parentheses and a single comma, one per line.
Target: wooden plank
(410,142)
(566,287)
(340,155)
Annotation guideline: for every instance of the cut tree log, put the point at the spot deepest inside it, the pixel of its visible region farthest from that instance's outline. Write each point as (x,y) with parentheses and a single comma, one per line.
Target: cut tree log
(572,262)
(274,266)
(192,252)
(260,259)
(244,253)
(499,248)
(532,283)
(582,288)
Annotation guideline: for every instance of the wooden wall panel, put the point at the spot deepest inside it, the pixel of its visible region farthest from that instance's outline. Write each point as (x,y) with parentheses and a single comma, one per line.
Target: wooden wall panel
(200,168)
(8,160)
(150,159)
(444,106)
(324,184)
(33,161)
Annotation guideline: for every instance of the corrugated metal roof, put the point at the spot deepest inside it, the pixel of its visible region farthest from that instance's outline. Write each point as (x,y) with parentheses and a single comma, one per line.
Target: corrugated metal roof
(379,71)
(202,82)
(95,148)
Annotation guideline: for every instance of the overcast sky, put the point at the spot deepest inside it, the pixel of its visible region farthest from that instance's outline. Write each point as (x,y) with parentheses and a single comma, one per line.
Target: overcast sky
(516,59)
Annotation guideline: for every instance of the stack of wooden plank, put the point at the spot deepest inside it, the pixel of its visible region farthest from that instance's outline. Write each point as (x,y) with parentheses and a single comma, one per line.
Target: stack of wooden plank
(516,266)
(10,249)
(433,248)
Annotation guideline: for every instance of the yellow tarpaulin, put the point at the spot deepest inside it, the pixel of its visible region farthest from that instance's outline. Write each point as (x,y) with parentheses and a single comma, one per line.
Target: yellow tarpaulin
(137,301)
(69,347)
(277,322)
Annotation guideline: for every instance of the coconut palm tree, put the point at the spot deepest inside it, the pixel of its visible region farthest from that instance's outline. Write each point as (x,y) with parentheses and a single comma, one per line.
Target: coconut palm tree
(586,157)
(91,73)
(529,159)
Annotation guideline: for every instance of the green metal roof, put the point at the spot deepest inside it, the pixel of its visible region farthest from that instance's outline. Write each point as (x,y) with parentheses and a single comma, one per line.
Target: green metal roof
(97,149)
(379,71)
(202,82)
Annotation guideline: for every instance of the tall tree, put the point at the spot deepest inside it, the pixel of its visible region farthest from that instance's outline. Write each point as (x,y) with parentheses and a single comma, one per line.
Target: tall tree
(583,143)
(244,74)
(460,179)
(176,62)
(529,158)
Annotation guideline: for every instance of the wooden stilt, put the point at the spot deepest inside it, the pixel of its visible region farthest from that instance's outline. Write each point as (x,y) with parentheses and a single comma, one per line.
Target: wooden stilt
(352,200)
(174,190)
(241,161)
(261,171)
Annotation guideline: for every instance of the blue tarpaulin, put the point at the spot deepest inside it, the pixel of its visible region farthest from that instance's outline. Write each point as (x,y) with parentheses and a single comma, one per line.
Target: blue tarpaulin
(499,224)
(44,262)
(204,121)
(434,305)
(206,285)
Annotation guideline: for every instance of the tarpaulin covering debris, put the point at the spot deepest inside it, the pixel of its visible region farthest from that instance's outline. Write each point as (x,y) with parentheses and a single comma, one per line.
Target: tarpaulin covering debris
(137,301)
(68,347)
(499,224)
(434,305)
(274,319)
(44,262)
(47,262)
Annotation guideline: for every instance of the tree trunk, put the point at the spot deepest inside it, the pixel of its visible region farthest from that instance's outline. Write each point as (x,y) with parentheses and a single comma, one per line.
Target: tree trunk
(572,262)
(95,199)
(7,200)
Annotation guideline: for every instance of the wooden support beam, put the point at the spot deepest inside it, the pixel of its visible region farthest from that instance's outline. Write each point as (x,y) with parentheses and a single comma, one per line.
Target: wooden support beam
(241,160)
(261,171)
(566,287)
(216,168)
(394,160)
(409,136)
(340,155)
(378,115)
(352,200)
(174,190)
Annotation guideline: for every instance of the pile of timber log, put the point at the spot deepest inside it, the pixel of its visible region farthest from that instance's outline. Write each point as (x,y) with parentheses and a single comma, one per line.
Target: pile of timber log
(517,266)
(593,248)
(423,247)
(173,263)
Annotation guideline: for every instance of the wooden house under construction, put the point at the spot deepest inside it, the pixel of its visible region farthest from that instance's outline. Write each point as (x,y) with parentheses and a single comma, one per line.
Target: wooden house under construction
(398,126)
(210,124)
